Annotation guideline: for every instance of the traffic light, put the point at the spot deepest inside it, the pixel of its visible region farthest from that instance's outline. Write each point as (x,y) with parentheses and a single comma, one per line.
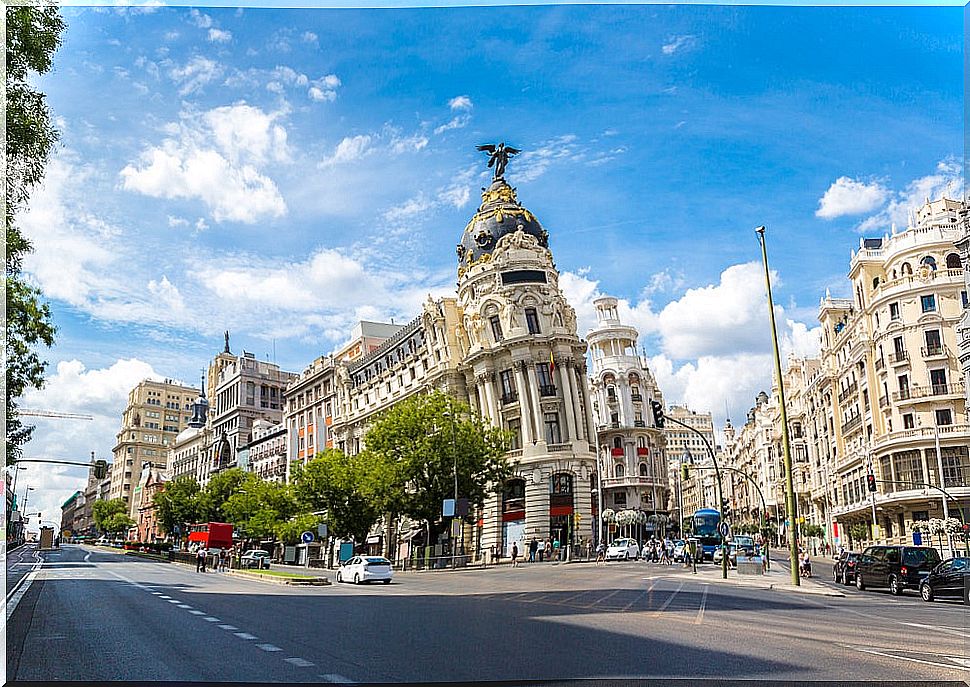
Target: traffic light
(577,518)
(685,471)
(871,482)
(100,469)
(658,413)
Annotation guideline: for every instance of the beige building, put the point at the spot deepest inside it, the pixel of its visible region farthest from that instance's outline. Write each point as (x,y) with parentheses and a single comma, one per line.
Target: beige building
(684,445)
(630,456)
(963,328)
(267,451)
(155,414)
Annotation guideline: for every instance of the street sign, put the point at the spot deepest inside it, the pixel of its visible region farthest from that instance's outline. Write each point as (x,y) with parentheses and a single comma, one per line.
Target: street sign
(448,508)
(322,530)
(724,529)
(917,538)
(307,537)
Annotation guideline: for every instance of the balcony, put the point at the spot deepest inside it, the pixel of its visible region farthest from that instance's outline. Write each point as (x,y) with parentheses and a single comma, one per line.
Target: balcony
(635,481)
(880,363)
(616,452)
(510,397)
(920,434)
(611,399)
(899,358)
(919,392)
(639,423)
(547,389)
(848,391)
(883,401)
(636,398)
(853,423)
(933,351)
(643,451)
(615,425)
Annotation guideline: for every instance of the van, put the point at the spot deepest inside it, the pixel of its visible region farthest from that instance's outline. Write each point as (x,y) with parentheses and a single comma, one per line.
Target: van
(896,567)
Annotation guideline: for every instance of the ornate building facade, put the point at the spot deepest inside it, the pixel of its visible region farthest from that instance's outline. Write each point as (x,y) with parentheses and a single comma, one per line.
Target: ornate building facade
(632,465)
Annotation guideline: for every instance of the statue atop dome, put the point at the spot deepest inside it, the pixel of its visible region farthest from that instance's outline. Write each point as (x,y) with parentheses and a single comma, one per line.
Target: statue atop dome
(499,157)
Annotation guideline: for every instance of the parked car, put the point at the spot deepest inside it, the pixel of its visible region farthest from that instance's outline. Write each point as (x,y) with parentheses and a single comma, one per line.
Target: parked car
(843,570)
(679,547)
(360,569)
(896,567)
(255,558)
(949,578)
(623,550)
(732,554)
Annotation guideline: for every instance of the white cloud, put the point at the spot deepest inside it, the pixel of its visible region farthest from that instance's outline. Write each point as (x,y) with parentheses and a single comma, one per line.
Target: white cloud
(461,102)
(177,221)
(459,122)
(195,74)
(203,21)
(214,158)
(848,196)
(408,144)
(324,89)
(946,180)
(349,149)
(219,36)
(532,164)
(309,37)
(675,43)
(664,281)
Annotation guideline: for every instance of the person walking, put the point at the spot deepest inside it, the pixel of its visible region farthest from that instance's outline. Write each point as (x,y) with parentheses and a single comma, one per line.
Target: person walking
(515,554)
(664,557)
(533,548)
(200,559)
(601,553)
(548,549)
(224,560)
(555,548)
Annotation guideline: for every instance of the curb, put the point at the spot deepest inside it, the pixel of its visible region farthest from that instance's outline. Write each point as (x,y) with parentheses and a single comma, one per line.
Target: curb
(289,581)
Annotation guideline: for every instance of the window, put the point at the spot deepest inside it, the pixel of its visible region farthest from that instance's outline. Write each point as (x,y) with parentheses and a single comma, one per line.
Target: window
(944,417)
(908,422)
(903,381)
(921,515)
(508,386)
(898,347)
(514,428)
(643,469)
(963,298)
(894,311)
(619,498)
(553,436)
(929,303)
(496,328)
(532,320)
(617,442)
(618,470)
(934,346)
(953,262)
(929,261)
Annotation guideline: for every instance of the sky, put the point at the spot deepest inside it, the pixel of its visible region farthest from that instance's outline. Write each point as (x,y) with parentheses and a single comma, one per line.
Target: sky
(285,173)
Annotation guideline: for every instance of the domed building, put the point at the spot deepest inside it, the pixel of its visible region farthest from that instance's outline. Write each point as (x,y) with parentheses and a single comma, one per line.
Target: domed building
(525,371)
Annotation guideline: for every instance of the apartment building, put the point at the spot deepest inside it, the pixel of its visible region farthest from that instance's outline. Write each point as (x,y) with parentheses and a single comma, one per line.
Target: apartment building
(155,414)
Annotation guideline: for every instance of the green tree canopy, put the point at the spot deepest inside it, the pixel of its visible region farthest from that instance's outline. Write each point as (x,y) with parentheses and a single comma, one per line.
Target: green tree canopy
(428,439)
(259,507)
(348,488)
(218,491)
(32,36)
(111,517)
(178,504)
(289,532)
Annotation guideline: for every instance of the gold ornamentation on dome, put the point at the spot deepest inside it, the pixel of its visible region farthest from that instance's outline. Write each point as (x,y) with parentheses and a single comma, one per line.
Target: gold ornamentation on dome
(499,217)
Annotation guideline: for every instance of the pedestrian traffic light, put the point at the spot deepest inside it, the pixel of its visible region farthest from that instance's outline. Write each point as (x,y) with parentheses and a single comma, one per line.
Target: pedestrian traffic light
(577,518)
(100,469)
(871,482)
(685,471)
(658,413)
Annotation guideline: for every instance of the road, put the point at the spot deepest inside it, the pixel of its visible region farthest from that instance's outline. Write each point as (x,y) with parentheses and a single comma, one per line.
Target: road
(95,614)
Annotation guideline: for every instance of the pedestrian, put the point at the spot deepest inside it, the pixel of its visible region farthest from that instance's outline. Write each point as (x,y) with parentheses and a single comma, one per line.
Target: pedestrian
(533,548)
(200,559)
(664,558)
(548,549)
(555,548)
(515,554)
(224,560)
(601,553)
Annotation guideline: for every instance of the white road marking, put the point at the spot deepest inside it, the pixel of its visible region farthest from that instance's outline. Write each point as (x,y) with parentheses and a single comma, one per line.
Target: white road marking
(268,647)
(907,658)
(965,662)
(165,597)
(229,627)
(20,589)
(299,662)
(668,601)
(184,606)
(339,679)
(174,601)
(636,598)
(939,628)
(700,611)
(244,635)
(157,593)
(195,612)
(87,558)
(210,619)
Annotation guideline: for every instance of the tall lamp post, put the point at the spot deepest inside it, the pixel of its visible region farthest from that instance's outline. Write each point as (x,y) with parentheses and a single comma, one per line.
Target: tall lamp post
(789,482)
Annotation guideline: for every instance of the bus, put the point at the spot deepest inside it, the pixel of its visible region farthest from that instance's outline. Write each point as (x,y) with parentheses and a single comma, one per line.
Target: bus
(708,538)
(212,535)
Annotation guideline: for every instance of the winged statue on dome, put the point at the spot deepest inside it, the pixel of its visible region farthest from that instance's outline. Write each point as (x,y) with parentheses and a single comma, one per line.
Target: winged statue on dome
(498,156)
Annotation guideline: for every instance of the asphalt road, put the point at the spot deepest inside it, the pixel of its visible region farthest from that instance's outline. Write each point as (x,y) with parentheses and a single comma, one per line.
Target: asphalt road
(98,615)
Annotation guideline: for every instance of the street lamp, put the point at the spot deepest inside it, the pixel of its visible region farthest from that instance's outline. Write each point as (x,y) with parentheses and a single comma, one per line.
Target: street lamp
(454,450)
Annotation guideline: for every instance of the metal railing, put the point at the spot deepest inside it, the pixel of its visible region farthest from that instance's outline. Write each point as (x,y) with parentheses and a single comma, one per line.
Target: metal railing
(636,398)
(916,392)
(848,391)
(639,423)
(930,351)
(547,390)
(853,422)
(511,397)
(880,363)
(898,357)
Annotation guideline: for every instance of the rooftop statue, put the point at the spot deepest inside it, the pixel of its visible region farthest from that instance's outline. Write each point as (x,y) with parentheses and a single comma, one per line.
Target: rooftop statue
(499,157)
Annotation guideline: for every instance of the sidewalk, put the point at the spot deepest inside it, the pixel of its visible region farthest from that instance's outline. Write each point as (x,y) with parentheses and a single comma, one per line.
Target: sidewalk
(776,579)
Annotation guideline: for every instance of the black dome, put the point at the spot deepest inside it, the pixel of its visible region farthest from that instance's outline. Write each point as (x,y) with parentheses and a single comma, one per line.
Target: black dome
(499,214)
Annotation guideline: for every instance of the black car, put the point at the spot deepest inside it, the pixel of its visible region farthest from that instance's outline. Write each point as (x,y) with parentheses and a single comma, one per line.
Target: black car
(844,568)
(949,578)
(896,567)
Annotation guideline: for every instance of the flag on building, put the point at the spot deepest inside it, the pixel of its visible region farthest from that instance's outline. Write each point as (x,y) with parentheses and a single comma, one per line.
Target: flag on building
(552,363)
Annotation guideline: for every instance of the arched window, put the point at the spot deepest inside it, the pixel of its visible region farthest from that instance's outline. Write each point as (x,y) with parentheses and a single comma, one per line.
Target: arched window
(618,470)
(513,497)
(643,469)
(617,442)
(929,261)
(906,269)
(875,282)
(953,262)
(641,442)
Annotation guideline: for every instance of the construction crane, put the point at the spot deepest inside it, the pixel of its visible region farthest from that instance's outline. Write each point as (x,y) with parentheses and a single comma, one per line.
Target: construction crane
(52,413)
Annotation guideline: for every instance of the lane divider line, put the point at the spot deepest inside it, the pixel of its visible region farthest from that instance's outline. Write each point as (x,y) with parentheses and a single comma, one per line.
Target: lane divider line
(666,603)
(700,611)
(338,679)
(244,635)
(299,662)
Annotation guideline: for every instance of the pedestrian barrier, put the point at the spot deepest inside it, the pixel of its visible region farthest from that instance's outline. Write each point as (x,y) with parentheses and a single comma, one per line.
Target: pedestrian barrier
(751,565)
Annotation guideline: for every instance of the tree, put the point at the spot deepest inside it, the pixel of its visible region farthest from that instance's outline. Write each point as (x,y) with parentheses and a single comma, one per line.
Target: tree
(346,488)
(218,491)
(111,517)
(258,507)
(859,532)
(33,34)
(178,504)
(289,532)
(428,438)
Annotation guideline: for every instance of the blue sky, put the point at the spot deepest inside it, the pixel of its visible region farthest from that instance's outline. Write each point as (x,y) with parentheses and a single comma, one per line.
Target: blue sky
(283,173)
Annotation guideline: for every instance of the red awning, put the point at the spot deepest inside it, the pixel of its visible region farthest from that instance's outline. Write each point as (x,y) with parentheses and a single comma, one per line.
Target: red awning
(561,510)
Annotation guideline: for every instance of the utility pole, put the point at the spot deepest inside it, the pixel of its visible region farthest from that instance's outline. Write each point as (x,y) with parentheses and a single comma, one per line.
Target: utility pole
(939,465)
(791,506)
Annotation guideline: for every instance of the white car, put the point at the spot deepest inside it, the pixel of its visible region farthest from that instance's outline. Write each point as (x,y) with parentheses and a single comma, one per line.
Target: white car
(361,569)
(254,558)
(623,550)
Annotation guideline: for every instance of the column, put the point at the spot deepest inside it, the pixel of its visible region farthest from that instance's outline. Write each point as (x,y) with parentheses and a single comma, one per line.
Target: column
(525,415)
(536,504)
(569,401)
(490,412)
(472,387)
(532,382)
(578,382)
(590,424)
(492,525)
